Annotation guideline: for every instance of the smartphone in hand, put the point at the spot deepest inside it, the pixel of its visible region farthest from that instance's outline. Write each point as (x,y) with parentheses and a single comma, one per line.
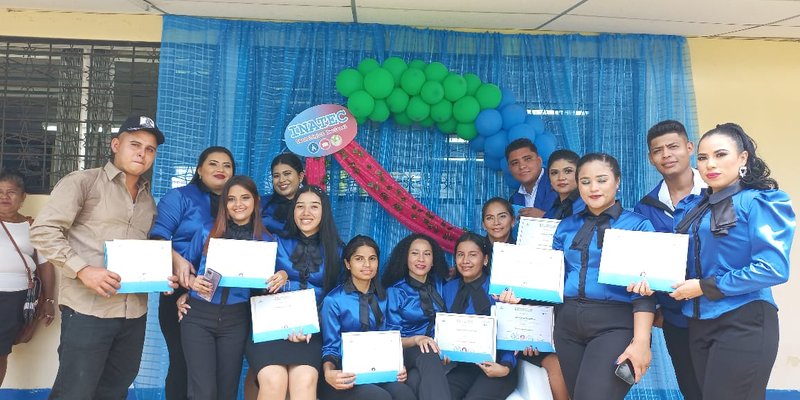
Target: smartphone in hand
(625,372)
(214,277)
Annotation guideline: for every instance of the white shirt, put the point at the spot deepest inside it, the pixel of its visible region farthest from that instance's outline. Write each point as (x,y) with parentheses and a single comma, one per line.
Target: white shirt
(663,192)
(531,197)
(13,275)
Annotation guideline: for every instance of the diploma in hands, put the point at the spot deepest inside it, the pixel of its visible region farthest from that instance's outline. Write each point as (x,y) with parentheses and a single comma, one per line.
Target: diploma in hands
(531,273)
(630,256)
(275,316)
(466,338)
(537,232)
(374,357)
(143,265)
(242,263)
(520,326)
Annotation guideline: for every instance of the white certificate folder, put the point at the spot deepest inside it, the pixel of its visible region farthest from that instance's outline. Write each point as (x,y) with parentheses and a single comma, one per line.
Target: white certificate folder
(466,338)
(242,263)
(630,256)
(275,316)
(144,266)
(375,356)
(520,326)
(531,273)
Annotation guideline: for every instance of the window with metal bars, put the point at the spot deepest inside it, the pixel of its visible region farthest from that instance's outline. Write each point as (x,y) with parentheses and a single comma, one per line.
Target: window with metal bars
(60,101)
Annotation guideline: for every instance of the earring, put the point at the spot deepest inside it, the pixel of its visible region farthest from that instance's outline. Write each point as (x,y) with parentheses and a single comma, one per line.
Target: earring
(742,171)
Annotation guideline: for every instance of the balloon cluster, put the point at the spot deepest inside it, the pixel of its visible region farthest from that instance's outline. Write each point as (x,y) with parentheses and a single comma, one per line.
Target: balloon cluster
(429,94)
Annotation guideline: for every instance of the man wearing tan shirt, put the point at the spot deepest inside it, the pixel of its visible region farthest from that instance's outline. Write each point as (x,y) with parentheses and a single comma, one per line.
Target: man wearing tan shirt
(102,333)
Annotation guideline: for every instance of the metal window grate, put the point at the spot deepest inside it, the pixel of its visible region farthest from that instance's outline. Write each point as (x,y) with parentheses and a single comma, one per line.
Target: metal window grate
(59,100)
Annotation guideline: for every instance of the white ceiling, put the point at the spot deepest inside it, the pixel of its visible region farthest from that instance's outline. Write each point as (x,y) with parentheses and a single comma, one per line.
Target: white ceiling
(774,19)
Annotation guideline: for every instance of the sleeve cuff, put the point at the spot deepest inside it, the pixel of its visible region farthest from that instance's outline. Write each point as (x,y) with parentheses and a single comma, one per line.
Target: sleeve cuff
(73,265)
(710,289)
(644,304)
(332,359)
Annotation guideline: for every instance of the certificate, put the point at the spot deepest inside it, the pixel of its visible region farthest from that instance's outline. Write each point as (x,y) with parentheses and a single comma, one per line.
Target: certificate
(537,232)
(242,263)
(630,256)
(275,316)
(374,357)
(466,338)
(530,272)
(143,265)
(520,326)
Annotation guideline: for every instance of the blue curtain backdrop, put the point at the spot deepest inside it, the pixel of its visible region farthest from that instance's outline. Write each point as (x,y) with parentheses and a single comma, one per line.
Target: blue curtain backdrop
(239,83)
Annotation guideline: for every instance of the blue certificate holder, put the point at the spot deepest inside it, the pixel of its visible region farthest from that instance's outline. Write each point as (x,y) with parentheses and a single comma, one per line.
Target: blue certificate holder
(659,285)
(550,296)
(143,265)
(283,333)
(364,378)
(242,263)
(373,356)
(628,258)
(243,282)
(530,272)
(519,345)
(276,316)
(466,356)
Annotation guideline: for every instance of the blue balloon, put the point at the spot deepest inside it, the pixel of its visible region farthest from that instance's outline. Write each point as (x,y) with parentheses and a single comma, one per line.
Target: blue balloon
(477,144)
(510,181)
(504,165)
(513,114)
(546,144)
(536,122)
(489,121)
(491,163)
(507,98)
(495,145)
(521,131)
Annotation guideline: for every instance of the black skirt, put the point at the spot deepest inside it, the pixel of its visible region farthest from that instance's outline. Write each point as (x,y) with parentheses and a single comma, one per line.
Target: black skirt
(11,319)
(284,352)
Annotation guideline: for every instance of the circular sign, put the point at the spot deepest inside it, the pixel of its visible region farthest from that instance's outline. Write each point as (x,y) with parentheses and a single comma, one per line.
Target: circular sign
(320,130)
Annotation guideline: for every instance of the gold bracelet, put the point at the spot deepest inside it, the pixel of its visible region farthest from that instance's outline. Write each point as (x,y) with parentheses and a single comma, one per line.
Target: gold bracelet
(51,301)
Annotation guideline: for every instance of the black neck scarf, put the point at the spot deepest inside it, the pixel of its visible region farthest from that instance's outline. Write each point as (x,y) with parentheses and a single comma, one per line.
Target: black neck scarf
(564,207)
(428,296)
(366,302)
(601,222)
(239,232)
(213,197)
(306,257)
(723,214)
(281,207)
(471,291)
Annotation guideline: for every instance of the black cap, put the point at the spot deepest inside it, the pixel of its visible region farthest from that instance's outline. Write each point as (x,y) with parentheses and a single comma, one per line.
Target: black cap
(141,123)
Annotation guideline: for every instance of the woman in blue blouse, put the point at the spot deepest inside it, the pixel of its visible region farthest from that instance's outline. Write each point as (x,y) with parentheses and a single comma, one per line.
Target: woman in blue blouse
(599,326)
(740,235)
(182,212)
(468,293)
(561,168)
(358,305)
(287,177)
(213,333)
(414,279)
(309,252)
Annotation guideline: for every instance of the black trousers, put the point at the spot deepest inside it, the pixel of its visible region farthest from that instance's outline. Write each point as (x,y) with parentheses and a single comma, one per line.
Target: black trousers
(589,336)
(677,340)
(733,354)
(469,382)
(213,338)
(98,357)
(380,391)
(175,382)
(426,374)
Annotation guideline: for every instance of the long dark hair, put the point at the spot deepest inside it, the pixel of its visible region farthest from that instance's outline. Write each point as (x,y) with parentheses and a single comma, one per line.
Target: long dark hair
(482,243)
(758,173)
(204,155)
(221,222)
(290,159)
(350,249)
(328,235)
(397,267)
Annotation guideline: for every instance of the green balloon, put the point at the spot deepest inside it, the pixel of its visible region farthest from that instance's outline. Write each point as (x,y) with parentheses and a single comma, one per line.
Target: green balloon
(412,81)
(418,64)
(396,66)
(466,109)
(402,119)
(466,131)
(455,87)
(367,65)
(361,104)
(488,96)
(436,71)
(432,92)
(448,126)
(361,120)
(348,81)
(442,111)
(473,83)
(418,109)
(426,123)
(381,111)
(397,101)
(379,83)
